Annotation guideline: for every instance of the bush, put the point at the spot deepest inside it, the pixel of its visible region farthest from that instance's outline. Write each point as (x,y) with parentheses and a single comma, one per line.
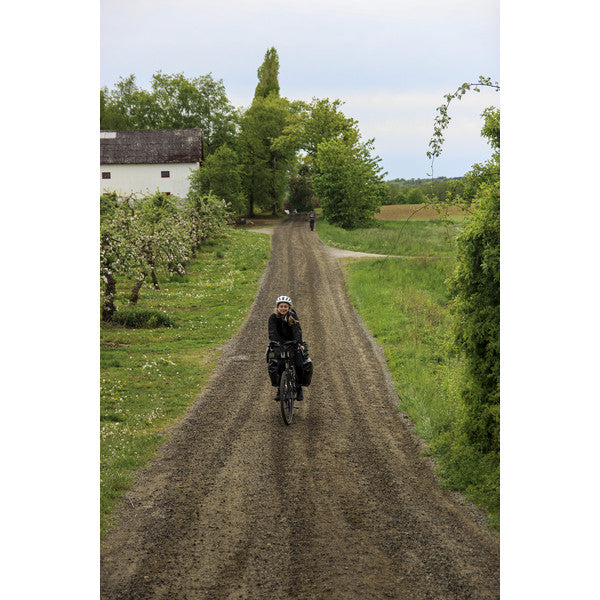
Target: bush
(476,307)
(136,318)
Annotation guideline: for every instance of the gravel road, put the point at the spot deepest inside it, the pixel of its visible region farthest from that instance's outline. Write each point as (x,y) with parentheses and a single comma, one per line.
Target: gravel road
(340,505)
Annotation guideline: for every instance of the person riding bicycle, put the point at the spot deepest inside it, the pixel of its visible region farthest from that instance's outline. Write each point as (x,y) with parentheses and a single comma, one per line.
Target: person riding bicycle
(284,326)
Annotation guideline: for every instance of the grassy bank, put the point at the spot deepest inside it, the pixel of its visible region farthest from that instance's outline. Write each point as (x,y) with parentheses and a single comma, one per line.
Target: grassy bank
(403,302)
(150,376)
(426,238)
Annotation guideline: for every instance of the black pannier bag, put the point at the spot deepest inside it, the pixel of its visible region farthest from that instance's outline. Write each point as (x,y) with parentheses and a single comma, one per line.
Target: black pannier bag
(307,366)
(272,365)
(272,356)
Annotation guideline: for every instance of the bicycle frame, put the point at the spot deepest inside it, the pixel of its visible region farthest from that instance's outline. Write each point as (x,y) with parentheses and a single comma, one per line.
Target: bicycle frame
(287,384)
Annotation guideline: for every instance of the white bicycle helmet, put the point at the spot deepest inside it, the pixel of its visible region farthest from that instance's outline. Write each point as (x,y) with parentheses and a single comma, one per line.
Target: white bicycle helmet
(281,299)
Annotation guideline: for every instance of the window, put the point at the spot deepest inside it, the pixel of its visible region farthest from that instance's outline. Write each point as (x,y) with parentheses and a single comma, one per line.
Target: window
(165,173)
(105,174)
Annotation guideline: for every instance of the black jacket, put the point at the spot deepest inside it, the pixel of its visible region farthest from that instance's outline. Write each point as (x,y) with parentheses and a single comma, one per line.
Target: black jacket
(281,331)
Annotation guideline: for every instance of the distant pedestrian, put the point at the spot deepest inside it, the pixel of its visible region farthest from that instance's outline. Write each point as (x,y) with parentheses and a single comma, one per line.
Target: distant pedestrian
(311,219)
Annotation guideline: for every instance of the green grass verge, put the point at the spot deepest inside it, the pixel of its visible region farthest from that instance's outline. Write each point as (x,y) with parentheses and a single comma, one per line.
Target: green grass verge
(150,376)
(403,302)
(404,238)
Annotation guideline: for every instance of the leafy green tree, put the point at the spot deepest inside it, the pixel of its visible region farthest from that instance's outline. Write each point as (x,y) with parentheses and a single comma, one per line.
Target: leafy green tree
(220,174)
(127,107)
(266,156)
(313,123)
(198,102)
(348,184)
(110,116)
(301,192)
(268,75)
(264,164)
(174,102)
(415,196)
(395,194)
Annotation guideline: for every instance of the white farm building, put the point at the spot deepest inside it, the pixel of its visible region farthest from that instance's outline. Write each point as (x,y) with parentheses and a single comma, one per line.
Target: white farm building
(144,161)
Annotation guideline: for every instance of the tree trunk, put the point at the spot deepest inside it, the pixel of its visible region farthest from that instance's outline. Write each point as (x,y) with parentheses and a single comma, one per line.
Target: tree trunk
(108,307)
(154,279)
(150,262)
(251,204)
(135,292)
(198,238)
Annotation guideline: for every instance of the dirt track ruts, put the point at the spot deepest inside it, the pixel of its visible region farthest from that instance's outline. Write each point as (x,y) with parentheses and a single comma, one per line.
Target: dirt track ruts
(340,505)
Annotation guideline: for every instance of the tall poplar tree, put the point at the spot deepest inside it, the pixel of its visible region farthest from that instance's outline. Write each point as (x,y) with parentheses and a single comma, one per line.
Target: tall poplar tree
(268,75)
(265,162)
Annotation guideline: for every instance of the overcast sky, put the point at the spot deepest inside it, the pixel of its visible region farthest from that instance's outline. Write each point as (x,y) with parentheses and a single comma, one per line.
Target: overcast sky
(390,62)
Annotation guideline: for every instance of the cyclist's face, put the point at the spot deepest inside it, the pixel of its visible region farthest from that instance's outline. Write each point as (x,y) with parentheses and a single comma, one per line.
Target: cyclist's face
(283,308)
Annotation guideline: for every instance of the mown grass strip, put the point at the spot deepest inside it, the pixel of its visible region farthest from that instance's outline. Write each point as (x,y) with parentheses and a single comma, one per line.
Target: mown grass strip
(150,376)
(403,302)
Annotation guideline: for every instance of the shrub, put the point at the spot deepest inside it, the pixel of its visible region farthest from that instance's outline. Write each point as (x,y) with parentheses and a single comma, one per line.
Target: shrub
(136,318)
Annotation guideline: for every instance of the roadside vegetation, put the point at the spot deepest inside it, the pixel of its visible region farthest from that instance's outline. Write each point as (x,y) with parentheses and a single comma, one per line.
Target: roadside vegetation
(404,303)
(421,238)
(152,371)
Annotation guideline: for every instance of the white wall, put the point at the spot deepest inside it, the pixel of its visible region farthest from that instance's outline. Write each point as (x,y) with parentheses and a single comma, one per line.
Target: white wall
(146,179)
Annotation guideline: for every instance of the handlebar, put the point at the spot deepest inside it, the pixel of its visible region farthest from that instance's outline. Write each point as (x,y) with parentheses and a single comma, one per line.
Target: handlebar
(286,344)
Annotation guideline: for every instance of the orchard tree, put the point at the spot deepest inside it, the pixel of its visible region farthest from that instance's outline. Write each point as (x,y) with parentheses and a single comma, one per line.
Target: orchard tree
(205,214)
(118,251)
(349,184)
(162,237)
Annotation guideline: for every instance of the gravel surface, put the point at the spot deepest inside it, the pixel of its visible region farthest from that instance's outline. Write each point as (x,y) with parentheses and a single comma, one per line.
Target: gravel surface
(339,505)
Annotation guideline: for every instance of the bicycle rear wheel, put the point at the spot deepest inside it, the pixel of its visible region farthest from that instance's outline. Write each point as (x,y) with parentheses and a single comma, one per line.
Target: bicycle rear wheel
(286,395)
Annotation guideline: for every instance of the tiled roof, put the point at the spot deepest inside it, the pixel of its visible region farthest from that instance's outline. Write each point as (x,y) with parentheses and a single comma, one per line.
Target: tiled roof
(150,146)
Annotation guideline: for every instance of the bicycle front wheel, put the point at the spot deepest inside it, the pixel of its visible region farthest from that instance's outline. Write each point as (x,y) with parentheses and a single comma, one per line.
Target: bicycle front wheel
(286,395)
